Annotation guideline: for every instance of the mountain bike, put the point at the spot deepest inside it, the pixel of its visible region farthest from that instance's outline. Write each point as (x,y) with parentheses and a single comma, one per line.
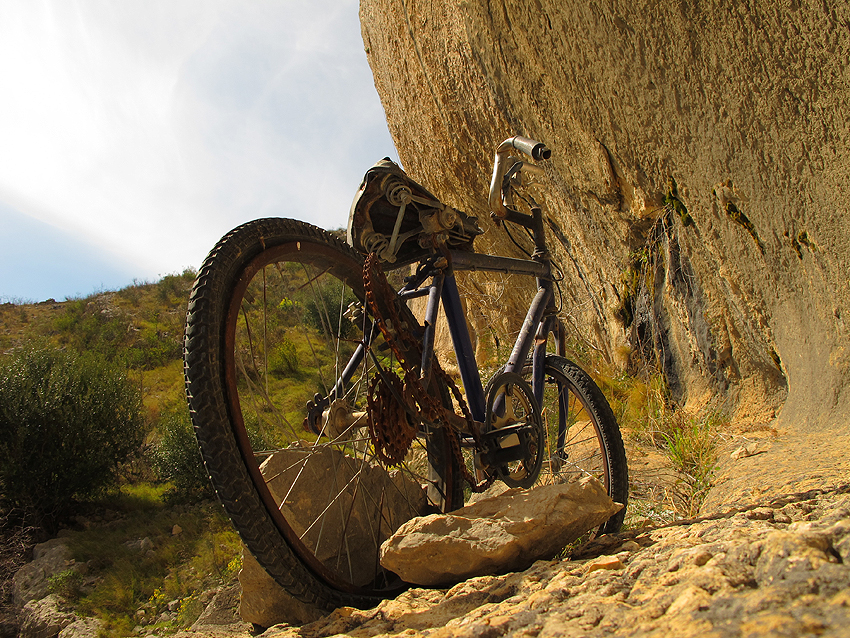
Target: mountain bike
(323,414)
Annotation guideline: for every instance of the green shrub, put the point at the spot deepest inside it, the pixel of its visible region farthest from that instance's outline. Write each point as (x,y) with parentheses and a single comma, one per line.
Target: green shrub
(177,458)
(284,358)
(67,421)
(66,584)
(325,311)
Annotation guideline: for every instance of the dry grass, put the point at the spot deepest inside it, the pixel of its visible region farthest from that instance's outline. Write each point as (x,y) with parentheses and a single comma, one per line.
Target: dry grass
(681,446)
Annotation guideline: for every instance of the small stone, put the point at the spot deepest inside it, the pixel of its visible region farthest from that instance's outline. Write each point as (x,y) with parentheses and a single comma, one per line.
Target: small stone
(176,530)
(750,449)
(605,562)
(690,600)
(760,514)
(629,546)
(841,599)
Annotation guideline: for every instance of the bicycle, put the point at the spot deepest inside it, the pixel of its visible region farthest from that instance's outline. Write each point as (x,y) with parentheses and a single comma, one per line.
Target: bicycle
(324,417)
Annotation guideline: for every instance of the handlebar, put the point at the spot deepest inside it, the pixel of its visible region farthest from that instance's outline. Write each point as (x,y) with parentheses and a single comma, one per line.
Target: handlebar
(535,150)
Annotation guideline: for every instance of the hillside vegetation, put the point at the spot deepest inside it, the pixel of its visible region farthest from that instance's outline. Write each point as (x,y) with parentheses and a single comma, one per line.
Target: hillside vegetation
(135,332)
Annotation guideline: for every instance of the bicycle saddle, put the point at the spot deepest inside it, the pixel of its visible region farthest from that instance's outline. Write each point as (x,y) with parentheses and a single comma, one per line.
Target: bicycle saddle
(401,221)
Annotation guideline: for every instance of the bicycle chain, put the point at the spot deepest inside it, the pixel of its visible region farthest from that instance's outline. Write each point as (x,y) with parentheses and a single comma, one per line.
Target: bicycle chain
(391,443)
(375,284)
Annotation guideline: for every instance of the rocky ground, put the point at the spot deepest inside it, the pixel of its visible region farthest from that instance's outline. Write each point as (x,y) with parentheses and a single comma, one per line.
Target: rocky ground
(771,559)
(780,567)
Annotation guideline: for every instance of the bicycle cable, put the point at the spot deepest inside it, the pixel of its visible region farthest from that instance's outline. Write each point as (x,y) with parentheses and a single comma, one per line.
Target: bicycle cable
(555,264)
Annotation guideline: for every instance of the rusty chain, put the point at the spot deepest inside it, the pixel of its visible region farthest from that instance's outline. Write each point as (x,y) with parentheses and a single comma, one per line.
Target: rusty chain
(388,427)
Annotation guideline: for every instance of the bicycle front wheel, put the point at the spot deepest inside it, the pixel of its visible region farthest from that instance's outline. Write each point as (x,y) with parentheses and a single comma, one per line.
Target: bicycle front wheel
(581,434)
(277,321)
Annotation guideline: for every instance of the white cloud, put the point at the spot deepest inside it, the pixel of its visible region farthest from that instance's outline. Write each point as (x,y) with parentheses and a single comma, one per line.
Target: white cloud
(154,127)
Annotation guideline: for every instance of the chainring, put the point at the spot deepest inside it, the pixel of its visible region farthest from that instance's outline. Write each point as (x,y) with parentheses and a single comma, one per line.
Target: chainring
(513,436)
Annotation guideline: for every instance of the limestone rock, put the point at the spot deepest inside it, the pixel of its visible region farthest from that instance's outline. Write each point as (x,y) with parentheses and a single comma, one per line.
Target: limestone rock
(31,581)
(402,500)
(82,628)
(265,603)
(44,619)
(605,562)
(746,451)
(220,616)
(503,533)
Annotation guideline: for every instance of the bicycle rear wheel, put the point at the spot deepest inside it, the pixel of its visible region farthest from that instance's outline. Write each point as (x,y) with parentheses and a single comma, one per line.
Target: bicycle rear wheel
(581,434)
(275,320)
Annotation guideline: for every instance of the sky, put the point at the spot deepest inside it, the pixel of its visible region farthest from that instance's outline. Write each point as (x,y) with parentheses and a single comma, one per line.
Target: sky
(134,134)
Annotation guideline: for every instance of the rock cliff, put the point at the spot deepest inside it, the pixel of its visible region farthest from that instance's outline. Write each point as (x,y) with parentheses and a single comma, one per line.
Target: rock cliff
(699,176)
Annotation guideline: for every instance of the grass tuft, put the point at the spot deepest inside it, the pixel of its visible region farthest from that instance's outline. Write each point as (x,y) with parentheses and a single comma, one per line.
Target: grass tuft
(653,424)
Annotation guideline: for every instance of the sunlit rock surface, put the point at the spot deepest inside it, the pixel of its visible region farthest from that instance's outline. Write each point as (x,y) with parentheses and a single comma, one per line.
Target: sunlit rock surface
(738,288)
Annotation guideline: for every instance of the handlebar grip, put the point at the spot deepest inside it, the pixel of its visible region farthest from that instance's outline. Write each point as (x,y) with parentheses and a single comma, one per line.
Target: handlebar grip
(536,150)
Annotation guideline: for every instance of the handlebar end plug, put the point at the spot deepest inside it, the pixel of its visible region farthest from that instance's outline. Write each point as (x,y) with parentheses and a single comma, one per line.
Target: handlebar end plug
(541,152)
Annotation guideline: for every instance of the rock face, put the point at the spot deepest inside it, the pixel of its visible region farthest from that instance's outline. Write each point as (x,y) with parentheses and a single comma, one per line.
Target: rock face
(503,533)
(698,184)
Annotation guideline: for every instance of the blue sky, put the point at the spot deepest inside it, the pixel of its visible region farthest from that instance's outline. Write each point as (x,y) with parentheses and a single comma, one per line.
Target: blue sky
(134,134)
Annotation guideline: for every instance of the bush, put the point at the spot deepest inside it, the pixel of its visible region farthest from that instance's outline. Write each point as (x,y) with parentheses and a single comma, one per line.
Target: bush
(284,358)
(177,458)
(67,421)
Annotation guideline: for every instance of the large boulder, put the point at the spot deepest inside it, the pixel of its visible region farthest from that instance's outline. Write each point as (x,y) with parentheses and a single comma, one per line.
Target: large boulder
(44,618)
(498,534)
(265,603)
(294,476)
(313,471)
(31,581)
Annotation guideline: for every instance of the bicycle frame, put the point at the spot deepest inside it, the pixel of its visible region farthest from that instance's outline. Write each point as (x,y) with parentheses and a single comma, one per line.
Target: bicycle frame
(540,320)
